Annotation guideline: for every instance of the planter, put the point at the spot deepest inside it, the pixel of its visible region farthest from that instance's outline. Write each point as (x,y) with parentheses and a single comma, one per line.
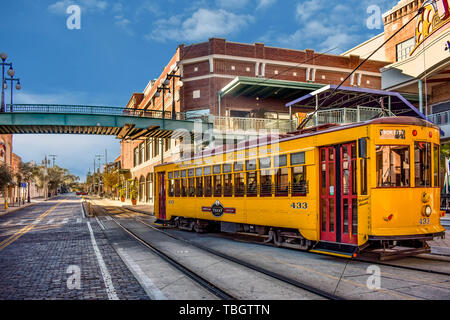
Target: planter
(133,202)
(122,199)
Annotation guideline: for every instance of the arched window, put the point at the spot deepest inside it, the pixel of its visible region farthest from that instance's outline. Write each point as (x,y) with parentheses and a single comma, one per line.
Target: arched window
(141,189)
(149,189)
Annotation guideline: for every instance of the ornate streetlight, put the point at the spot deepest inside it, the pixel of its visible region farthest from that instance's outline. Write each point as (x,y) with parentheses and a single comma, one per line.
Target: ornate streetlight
(172,75)
(11,73)
(162,89)
(18,87)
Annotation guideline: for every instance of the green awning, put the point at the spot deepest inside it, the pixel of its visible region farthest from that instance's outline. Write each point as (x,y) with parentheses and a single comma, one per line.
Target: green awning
(264,88)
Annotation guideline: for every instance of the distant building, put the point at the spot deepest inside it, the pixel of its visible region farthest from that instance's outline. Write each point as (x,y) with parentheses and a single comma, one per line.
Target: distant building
(232,84)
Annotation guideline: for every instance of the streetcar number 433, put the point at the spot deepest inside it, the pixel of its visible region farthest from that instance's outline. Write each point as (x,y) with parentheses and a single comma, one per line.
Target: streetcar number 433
(299,205)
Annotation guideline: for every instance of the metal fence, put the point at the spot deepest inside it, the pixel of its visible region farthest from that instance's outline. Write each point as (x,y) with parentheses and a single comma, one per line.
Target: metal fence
(94,110)
(345,115)
(252,124)
(441,118)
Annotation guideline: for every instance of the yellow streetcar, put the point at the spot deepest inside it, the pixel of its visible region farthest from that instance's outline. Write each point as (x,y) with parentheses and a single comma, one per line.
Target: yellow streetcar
(370,187)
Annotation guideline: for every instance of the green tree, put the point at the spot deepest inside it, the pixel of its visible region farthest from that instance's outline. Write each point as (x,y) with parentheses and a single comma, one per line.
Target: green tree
(110,180)
(5,180)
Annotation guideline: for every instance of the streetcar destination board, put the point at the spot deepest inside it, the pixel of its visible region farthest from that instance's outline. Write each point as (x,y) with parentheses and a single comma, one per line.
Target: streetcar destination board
(392,134)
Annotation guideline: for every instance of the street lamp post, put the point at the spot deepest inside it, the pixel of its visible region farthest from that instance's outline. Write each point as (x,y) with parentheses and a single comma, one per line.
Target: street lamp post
(18,87)
(172,75)
(98,157)
(163,89)
(11,73)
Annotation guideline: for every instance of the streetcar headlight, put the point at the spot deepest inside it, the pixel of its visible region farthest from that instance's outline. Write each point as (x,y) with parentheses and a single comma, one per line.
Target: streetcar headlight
(426,211)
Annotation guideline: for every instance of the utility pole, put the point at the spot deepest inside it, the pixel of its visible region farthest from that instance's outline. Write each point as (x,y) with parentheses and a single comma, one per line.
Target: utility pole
(45,178)
(53,156)
(99,157)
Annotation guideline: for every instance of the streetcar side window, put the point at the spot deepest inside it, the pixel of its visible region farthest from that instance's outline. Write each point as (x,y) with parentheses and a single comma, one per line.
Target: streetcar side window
(239,184)
(363,168)
(422,164)
(171,189)
(436,156)
(393,166)
(217,185)
(281,176)
(265,177)
(207,182)
(227,184)
(208,186)
(184,186)
(252,184)
(199,186)
(191,187)
(299,181)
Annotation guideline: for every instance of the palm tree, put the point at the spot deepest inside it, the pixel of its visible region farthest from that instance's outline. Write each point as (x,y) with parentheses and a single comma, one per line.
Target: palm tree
(27,169)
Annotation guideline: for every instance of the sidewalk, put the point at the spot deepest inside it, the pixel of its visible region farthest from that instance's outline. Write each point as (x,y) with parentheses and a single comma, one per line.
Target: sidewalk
(12,207)
(140,208)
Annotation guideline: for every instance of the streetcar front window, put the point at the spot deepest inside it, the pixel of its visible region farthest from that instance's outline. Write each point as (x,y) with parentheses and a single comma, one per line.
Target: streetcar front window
(422,164)
(393,166)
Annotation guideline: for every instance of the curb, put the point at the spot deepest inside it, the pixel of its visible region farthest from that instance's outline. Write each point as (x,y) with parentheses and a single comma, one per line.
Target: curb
(139,211)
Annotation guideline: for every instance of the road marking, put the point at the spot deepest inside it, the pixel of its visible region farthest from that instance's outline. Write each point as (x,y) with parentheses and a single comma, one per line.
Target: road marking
(50,221)
(26,229)
(112,295)
(7,223)
(100,223)
(149,287)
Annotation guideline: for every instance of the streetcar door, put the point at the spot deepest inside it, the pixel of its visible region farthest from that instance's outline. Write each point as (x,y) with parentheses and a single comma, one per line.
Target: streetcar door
(162,195)
(328,194)
(348,194)
(338,194)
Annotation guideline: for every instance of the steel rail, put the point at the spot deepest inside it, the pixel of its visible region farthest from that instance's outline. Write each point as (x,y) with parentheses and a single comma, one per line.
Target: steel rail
(266,272)
(406,267)
(223,295)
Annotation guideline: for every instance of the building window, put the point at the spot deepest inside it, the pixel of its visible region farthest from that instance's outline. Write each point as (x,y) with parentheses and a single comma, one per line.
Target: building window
(404,49)
(195,69)
(233,68)
(196,94)
(136,157)
(142,153)
(149,149)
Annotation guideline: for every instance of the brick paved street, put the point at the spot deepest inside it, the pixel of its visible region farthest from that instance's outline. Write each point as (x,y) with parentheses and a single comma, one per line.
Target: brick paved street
(41,262)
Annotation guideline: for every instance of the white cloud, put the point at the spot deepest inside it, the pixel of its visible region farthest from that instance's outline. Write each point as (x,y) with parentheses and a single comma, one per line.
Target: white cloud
(231,4)
(262,4)
(203,24)
(60,7)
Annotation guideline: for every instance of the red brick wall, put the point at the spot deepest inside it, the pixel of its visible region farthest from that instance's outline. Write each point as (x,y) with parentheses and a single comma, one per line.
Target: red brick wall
(440,93)
(393,22)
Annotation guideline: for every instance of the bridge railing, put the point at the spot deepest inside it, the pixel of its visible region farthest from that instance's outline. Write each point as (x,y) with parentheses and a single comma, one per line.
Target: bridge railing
(95,110)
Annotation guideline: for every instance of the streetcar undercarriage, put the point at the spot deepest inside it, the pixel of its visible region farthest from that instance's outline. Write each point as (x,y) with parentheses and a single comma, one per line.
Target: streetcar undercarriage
(377,248)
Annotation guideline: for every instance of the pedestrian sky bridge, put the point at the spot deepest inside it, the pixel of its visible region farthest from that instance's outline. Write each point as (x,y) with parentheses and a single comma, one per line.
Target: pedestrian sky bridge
(93,120)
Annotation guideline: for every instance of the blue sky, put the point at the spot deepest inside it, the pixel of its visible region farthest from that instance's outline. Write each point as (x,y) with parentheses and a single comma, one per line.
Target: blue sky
(123,44)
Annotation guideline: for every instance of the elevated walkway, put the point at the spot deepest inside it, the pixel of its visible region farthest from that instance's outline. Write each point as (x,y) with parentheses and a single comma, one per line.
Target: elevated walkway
(94,120)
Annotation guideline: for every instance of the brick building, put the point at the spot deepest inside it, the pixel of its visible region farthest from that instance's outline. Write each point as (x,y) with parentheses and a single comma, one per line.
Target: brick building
(419,56)
(233,80)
